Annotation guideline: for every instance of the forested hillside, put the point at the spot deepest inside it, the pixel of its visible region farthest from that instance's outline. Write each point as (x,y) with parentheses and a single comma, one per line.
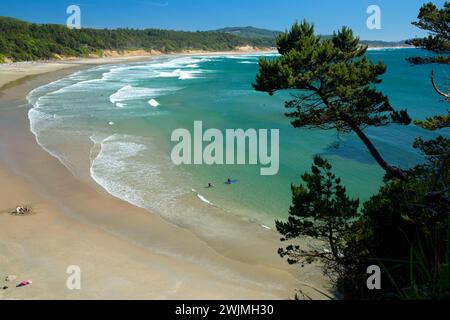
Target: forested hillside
(20,40)
(268,37)
(23,41)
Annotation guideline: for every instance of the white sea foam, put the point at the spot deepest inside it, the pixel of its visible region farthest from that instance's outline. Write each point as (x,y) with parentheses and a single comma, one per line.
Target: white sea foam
(177,63)
(239,57)
(120,163)
(121,169)
(389,48)
(153,103)
(269,54)
(39,120)
(109,167)
(182,68)
(129,92)
(180,74)
(188,75)
(126,72)
(202,198)
(248,62)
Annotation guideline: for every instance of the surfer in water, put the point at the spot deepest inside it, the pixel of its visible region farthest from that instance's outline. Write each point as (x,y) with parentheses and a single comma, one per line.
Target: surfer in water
(230,181)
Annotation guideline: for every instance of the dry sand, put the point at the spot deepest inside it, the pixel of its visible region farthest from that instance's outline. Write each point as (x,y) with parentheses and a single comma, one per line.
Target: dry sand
(10,72)
(124,252)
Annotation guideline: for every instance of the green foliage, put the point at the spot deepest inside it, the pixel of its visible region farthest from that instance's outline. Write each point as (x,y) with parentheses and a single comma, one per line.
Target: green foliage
(426,60)
(337,78)
(437,23)
(405,227)
(435,122)
(25,41)
(320,210)
(267,37)
(434,149)
(335,85)
(409,227)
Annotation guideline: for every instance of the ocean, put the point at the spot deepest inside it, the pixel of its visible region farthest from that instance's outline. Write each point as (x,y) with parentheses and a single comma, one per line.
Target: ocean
(112,125)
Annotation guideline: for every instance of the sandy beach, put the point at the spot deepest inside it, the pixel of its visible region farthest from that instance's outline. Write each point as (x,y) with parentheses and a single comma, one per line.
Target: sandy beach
(11,72)
(124,252)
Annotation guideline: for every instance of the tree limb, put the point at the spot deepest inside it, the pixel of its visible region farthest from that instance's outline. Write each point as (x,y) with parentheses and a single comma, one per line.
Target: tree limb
(393,171)
(445,95)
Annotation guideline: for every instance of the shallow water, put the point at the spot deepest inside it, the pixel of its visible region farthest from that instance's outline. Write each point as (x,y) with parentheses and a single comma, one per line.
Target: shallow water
(113,123)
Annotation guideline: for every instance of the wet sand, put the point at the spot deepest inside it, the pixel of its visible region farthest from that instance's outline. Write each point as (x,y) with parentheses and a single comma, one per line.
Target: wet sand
(124,252)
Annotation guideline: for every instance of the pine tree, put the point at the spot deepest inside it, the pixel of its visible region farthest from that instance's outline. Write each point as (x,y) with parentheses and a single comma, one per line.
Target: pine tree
(437,23)
(335,85)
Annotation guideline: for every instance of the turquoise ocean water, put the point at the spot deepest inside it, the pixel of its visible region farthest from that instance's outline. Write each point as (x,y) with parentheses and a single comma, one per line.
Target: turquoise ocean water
(113,124)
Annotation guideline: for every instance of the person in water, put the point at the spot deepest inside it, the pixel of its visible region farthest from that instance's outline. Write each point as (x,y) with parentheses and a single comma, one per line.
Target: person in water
(210,185)
(229,181)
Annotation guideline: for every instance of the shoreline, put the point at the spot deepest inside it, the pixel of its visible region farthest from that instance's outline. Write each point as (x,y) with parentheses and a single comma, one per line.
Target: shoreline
(390,48)
(14,71)
(66,206)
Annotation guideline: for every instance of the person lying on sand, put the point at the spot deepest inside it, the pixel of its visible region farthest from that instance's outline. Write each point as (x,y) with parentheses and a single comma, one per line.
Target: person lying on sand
(21,210)
(24,283)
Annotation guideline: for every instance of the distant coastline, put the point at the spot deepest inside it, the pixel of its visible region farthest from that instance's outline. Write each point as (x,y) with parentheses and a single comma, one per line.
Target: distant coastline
(373,48)
(11,72)
(24,41)
(38,42)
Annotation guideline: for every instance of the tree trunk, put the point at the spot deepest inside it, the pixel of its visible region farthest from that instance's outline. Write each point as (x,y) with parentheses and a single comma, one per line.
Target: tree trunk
(393,171)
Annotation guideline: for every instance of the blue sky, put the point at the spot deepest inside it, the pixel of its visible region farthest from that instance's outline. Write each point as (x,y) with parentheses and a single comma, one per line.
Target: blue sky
(328,15)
